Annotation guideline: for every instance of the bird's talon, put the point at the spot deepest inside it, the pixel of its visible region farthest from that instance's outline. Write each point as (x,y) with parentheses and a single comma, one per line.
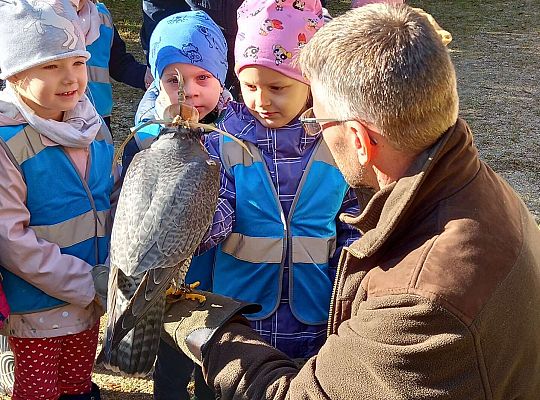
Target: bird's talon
(195,296)
(175,293)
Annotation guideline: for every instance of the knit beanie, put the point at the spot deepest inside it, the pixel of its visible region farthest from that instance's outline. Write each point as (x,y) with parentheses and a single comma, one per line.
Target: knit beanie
(35,32)
(272,32)
(190,37)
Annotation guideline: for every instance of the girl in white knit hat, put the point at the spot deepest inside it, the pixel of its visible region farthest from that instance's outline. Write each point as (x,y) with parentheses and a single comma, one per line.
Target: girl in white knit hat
(55,186)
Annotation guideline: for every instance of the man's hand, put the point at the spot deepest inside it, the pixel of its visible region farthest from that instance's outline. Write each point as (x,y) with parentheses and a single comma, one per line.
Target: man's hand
(190,325)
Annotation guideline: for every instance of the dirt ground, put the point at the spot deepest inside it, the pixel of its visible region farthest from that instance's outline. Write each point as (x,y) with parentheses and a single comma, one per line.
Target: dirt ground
(496,51)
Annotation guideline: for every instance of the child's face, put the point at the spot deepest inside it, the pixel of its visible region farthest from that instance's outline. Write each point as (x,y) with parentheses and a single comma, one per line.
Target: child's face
(52,88)
(201,88)
(271,97)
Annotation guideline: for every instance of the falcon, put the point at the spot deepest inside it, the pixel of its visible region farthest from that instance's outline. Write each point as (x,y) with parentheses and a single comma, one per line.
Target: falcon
(166,205)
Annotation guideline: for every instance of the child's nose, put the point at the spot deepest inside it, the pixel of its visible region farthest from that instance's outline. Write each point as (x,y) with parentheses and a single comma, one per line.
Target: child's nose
(70,76)
(190,89)
(262,98)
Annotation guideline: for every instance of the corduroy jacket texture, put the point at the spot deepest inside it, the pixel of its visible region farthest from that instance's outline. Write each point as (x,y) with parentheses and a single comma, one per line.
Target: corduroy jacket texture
(438,299)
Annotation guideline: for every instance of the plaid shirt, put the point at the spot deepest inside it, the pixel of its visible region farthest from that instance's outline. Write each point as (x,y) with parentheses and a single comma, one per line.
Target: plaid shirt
(286,152)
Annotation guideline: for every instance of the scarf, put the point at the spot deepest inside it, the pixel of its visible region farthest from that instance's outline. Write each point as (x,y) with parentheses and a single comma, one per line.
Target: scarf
(78,129)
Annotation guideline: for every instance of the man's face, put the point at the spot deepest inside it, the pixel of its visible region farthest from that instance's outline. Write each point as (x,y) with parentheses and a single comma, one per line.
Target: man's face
(340,140)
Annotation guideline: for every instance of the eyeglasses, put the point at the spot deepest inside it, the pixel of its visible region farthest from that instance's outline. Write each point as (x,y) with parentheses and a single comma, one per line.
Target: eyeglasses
(313,126)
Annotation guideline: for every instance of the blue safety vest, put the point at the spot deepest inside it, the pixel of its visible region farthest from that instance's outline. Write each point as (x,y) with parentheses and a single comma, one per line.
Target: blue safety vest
(64,208)
(249,263)
(99,81)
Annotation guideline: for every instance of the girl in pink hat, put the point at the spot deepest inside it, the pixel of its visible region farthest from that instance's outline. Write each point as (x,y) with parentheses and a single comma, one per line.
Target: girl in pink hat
(276,229)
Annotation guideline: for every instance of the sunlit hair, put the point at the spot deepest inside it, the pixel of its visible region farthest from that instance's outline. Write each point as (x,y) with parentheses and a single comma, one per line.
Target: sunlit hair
(386,65)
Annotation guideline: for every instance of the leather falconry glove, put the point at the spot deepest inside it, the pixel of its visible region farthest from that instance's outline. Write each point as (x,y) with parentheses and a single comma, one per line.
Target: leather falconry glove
(190,325)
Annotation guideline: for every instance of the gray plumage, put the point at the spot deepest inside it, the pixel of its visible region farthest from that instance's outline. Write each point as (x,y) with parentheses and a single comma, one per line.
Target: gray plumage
(166,205)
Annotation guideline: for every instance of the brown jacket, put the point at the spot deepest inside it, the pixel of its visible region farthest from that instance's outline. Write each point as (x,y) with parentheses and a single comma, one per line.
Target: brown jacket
(438,300)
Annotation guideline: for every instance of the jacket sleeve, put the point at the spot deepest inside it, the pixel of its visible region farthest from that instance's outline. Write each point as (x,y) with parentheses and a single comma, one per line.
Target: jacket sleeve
(130,149)
(123,67)
(37,261)
(224,216)
(395,347)
(346,234)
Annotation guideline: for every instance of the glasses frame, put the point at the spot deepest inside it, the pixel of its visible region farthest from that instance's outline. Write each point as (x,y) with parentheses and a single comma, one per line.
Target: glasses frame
(325,123)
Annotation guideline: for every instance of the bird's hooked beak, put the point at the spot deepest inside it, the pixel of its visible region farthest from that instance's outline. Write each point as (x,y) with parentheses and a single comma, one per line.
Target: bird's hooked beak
(178,115)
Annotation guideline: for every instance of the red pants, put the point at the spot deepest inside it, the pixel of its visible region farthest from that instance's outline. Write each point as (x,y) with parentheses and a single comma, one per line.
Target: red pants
(47,368)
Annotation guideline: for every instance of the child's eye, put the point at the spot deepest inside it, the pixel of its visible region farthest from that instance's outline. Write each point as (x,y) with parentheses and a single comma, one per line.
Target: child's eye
(78,63)
(173,80)
(250,87)
(203,77)
(277,88)
(50,66)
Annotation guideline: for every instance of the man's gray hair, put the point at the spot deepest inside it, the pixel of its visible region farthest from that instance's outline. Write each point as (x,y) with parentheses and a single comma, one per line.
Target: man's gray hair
(387,65)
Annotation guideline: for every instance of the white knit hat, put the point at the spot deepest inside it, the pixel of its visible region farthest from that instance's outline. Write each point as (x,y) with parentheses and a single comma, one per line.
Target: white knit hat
(35,32)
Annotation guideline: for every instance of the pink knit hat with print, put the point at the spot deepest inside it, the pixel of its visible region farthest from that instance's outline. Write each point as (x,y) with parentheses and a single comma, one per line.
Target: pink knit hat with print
(271,33)
(360,3)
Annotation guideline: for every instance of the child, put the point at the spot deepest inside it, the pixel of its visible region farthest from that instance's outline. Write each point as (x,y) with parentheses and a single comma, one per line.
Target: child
(276,229)
(109,57)
(191,44)
(222,12)
(55,157)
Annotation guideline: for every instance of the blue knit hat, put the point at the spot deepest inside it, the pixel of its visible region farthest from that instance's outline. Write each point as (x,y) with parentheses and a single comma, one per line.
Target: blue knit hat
(191,38)
(34,32)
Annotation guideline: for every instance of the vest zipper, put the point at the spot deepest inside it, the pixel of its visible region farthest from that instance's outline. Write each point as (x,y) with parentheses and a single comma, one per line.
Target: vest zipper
(301,183)
(89,195)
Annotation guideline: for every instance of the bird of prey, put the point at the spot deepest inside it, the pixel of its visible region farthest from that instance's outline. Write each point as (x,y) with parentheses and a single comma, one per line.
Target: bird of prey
(165,207)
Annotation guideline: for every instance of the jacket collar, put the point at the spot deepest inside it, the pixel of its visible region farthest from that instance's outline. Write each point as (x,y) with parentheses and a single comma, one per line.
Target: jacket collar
(437,173)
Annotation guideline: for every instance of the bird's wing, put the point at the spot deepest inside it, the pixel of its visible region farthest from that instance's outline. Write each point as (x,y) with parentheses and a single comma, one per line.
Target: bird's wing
(133,331)
(164,210)
(162,213)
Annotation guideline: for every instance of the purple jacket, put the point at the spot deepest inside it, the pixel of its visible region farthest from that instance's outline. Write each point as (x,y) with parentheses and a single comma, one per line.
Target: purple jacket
(286,152)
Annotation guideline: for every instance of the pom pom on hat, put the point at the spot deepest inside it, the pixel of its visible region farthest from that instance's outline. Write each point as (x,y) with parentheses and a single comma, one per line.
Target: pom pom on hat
(35,32)
(272,32)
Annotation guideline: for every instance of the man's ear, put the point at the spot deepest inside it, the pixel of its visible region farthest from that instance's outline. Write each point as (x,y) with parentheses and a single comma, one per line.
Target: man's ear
(362,143)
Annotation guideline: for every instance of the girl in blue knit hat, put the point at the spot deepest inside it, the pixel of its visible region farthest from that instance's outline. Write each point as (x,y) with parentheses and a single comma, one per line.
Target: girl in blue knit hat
(192,45)
(55,187)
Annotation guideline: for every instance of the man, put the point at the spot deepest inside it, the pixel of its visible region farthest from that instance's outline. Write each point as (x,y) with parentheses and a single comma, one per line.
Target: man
(439,298)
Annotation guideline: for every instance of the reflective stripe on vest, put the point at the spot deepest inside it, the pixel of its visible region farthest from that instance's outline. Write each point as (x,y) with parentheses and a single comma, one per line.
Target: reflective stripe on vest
(249,262)
(262,249)
(99,85)
(64,208)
